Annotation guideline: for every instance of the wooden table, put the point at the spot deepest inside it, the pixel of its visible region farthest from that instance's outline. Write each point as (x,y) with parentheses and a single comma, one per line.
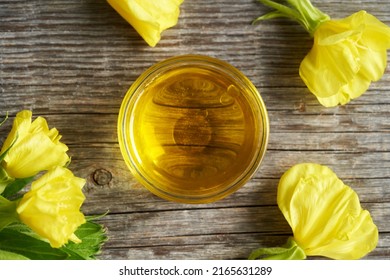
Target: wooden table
(72,62)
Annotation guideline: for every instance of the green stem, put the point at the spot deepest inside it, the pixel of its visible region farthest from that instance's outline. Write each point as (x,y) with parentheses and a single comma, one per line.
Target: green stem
(5,180)
(301,11)
(8,214)
(4,119)
(289,251)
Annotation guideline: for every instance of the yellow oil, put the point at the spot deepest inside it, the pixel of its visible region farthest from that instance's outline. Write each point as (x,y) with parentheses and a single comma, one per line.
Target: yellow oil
(194,132)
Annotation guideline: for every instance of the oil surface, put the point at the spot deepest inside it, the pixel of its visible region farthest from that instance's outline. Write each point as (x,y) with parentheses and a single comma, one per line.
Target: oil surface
(194,131)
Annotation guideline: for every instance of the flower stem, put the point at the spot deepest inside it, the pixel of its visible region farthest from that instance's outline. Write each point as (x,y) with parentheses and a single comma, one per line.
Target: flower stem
(301,11)
(289,251)
(4,119)
(8,214)
(5,180)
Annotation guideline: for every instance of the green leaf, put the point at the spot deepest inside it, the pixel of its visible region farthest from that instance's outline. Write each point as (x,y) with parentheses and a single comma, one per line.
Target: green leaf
(93,236)
(28,246)
(5,180)
(24,229)
(5,255)
(289,251)
(8,213)
(4,119)
(15,186)
(20,239)
(2,156)
(270,15)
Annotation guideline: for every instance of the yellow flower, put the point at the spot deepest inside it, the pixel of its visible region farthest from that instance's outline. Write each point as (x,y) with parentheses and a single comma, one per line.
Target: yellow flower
(148,17)
(325,215)
(52,207)
(32,147)
(347,54)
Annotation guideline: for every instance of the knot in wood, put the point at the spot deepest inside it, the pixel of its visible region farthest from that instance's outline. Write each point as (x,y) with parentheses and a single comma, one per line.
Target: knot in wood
(102,177)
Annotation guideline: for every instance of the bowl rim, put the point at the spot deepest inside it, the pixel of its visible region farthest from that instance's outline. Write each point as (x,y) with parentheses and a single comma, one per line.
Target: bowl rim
(145,79)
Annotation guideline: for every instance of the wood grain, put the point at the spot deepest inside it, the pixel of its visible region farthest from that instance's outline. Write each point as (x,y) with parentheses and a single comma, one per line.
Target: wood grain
(73,61)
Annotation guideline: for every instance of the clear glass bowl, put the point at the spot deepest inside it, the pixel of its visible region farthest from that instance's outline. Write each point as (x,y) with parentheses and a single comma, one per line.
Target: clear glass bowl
(193,129)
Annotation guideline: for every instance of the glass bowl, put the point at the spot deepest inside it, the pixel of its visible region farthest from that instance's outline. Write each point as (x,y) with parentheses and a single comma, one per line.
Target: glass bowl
(193,129)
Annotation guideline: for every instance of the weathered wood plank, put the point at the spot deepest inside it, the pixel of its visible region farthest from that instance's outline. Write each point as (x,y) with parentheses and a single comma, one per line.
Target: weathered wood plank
(223,246)
(208,230)
(129,196)
(152,226)
(359,132)
(347,165)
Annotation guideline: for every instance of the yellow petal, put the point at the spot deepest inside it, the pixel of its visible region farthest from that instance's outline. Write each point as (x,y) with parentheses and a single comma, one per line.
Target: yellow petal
(74,239)
(359,236)
(36,147)
(20,128)
(356,87)
(324,214)
(39,125)
(328,67)
(376,34)
(34,154)
(347,55)
(52,207)
(148,17)
(373,63)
